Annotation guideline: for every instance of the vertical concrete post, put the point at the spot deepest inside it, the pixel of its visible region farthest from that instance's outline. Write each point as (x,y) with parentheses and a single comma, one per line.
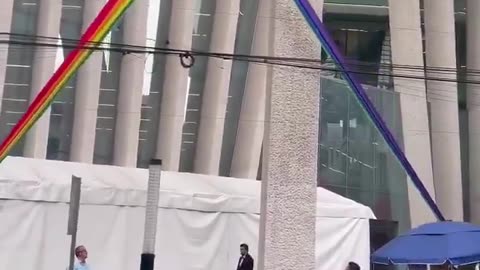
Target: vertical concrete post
(288,200)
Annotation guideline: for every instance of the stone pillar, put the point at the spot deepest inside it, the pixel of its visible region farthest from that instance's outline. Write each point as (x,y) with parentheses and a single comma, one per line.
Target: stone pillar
(440,50)
(288,197)
(407,50)
(215,93)
(43,67)
(87,94)
(130,88)
(248,144)
(6,13)
(174,98)
(473,103)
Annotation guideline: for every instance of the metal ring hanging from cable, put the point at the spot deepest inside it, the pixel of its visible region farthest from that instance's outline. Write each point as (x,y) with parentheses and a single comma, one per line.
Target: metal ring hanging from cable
(187,60)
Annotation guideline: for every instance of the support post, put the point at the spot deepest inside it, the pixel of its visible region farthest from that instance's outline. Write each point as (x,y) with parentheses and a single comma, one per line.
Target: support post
(75,192)
(151,213)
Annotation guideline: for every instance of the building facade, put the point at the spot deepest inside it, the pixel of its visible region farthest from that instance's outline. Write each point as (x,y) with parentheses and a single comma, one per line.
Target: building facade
(124,109)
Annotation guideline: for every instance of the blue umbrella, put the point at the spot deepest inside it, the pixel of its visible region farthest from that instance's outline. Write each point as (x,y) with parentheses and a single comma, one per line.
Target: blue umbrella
(456,243)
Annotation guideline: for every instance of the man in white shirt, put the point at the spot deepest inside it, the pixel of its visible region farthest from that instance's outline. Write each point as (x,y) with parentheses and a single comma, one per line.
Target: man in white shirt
(82,255)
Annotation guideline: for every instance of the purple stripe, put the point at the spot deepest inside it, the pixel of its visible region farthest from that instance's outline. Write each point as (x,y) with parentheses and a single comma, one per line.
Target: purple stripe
(322,33)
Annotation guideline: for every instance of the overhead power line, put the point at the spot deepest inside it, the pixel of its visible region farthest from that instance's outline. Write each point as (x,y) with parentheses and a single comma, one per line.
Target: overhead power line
(186,56)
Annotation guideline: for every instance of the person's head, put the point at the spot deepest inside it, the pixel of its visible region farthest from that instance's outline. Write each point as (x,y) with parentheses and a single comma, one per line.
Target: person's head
(81,253)
(244,249)
(352,266)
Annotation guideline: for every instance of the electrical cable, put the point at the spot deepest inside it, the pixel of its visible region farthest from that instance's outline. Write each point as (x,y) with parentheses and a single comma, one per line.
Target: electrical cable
(309,60)
(399,71)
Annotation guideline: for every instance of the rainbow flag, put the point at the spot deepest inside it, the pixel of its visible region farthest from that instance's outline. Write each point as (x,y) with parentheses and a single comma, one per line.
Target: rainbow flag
(94,34)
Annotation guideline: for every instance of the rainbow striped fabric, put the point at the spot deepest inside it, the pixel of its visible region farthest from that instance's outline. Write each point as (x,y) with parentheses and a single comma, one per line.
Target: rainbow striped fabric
(94,34)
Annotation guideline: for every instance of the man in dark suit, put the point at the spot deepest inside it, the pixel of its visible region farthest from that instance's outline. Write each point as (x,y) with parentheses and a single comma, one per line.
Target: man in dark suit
(246,261)
(352,266)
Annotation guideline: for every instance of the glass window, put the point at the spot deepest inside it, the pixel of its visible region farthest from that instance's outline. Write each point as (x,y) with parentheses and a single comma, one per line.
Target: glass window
(354,160)
(62,108)
(361,40)
(19,69)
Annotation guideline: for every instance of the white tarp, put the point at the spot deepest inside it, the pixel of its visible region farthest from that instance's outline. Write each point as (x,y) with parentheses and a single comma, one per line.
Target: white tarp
(202,219)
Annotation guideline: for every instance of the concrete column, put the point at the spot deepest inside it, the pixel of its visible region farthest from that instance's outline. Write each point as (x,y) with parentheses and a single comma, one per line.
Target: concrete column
(288,197)
(407,49)
(473,103)
(248,144)
(6,13)
(441,53)
(130,94)
(215,93)
(172,113)
(43,66)
(87,93)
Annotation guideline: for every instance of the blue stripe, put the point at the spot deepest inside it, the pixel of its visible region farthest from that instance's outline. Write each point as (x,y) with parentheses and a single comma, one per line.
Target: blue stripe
(323,35)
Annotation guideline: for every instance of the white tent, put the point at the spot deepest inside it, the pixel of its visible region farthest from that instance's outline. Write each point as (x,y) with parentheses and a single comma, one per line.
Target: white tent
(202,219)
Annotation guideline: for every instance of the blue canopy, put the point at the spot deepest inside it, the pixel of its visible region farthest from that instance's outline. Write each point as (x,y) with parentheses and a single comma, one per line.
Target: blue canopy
(456,243)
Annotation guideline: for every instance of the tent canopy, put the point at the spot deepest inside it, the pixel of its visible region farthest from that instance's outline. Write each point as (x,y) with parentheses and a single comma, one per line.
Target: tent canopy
(202,218)
(46,180)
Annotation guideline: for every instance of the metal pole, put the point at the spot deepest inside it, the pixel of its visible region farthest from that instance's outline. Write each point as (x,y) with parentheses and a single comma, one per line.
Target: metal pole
(75,191)
(151,214)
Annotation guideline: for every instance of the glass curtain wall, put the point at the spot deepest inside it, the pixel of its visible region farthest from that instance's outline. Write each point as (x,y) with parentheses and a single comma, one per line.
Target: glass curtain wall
(354,161)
